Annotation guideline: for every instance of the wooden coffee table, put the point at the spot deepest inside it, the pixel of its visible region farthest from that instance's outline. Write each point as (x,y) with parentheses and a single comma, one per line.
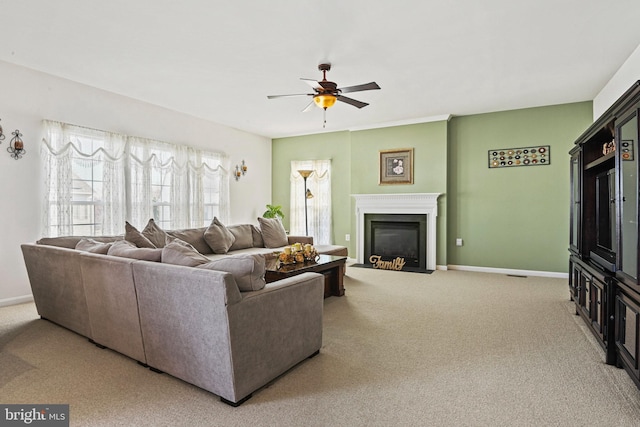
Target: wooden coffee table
(331,267)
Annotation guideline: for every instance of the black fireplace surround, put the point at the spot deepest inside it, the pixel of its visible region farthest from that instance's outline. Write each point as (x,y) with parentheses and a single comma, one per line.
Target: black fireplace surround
(391,237)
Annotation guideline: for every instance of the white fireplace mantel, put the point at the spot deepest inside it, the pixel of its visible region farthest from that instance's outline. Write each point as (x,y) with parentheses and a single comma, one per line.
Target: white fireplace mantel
(408,203)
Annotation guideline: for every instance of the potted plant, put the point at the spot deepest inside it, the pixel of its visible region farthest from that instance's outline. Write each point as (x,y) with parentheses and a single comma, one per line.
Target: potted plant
(273,211)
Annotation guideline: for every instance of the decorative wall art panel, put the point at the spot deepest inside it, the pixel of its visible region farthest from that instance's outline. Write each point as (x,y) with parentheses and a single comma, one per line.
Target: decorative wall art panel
(538,155)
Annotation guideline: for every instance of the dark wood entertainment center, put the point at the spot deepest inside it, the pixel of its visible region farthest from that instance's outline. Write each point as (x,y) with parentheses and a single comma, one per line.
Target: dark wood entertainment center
(604,235)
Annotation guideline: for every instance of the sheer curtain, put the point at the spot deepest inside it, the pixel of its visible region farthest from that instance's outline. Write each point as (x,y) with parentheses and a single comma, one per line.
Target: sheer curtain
(179,186)
(72,157)
(117,177)
(318,207)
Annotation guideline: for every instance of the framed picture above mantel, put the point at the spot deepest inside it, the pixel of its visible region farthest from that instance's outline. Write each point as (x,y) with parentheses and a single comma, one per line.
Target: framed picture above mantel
(396,166)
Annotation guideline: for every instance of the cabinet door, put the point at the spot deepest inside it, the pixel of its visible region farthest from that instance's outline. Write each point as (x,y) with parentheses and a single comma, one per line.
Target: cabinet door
(585,300)
(574,282)
(598,308)
(627,140)
(627,330)
(574,233)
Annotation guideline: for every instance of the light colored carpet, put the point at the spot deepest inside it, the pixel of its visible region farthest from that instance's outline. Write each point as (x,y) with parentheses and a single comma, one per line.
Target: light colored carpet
(450,348)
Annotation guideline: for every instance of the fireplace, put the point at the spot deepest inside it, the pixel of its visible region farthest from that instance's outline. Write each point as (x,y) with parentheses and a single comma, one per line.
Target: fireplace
(421,204)
(395,240)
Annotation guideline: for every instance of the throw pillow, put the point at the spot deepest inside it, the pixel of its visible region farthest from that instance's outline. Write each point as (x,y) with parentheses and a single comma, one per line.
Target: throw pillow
(132,235)
(257,237)
(218,237)
(182,253)
(93,246)
(194,236)
(247,270)
(125,249)
(243,236)
(155,234)
(273,233)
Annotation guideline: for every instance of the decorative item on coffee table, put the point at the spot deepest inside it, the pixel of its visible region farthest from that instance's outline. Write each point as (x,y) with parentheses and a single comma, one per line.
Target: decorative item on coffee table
(297,254)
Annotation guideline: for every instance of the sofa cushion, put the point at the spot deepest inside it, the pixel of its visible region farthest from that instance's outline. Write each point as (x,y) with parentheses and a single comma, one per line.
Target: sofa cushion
(131,234)
(182,253)
(258,242)
(218,237)
(126,249)
(273,232)
(155,234)
(193,236)
(334,250)
(247,270)
(243,236)
(93,246)
(71,242)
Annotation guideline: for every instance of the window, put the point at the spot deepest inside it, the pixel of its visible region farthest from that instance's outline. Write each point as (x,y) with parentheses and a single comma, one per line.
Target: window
(87,185)
(318,212)
(211,199)
(95,180)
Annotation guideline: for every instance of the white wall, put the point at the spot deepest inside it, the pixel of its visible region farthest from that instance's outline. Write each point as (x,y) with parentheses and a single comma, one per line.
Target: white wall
(622,80)
(28,97)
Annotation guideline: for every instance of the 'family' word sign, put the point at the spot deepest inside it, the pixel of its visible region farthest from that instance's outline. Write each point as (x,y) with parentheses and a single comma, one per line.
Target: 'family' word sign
(377,262)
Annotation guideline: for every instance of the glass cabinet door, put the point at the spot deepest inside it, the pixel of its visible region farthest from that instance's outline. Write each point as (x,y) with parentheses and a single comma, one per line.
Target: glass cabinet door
(627,138)
(575,202)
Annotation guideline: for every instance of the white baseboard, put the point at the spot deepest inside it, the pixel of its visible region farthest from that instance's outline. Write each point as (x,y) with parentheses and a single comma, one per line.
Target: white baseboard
(510,271)
(16,300)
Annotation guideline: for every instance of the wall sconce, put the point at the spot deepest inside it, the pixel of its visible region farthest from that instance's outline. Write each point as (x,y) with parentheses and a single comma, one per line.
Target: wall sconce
(1,134)
(240,170)
(16,145)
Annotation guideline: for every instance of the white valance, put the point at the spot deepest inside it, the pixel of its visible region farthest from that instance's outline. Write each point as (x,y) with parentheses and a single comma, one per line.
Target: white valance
(131,179)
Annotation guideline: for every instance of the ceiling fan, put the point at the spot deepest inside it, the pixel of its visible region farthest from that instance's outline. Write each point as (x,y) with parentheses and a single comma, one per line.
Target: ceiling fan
(326,93)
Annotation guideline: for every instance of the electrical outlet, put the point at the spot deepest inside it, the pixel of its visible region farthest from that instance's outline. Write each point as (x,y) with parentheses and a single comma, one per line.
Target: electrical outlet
(458,242)
(347,237)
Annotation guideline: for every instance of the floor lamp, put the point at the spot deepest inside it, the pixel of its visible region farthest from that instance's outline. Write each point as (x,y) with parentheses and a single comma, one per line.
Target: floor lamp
(307,195)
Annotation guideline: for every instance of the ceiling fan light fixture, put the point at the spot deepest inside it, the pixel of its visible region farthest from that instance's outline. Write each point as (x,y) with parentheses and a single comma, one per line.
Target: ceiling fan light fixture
(325,100)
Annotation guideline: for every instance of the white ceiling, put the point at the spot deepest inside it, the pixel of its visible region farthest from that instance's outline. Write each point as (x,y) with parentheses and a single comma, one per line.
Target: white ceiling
(218,60)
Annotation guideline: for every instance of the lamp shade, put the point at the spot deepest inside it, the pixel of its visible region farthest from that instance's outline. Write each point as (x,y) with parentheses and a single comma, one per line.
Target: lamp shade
(305,173)
(324,101)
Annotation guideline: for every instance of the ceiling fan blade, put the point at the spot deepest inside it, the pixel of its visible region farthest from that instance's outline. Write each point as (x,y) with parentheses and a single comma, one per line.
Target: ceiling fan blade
(309,107)
(288,96)
(313,83)
(358,88)
(352,101)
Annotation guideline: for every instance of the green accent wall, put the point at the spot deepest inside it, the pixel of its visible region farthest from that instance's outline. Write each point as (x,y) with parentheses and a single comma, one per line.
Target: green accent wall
(326,146)
(513,218)
(429,141)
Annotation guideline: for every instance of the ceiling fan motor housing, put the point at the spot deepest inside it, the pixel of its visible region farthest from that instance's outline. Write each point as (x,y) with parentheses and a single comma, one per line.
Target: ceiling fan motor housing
(327,92)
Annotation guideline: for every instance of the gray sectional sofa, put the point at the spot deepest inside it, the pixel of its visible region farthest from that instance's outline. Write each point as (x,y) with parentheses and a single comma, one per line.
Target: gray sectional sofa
(224,331)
